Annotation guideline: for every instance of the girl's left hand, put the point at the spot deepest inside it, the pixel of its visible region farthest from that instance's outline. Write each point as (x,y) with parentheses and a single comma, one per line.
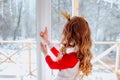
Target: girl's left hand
(43,48)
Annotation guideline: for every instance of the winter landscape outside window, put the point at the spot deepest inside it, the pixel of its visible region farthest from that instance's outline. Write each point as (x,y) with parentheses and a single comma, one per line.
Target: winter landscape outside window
(17,40)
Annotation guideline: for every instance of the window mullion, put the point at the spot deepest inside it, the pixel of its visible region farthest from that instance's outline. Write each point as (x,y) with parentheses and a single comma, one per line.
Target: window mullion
(43,19)
(75,7)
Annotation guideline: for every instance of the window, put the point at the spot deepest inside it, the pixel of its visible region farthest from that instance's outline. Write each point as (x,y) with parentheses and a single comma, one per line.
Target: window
(18,35)
(17,39)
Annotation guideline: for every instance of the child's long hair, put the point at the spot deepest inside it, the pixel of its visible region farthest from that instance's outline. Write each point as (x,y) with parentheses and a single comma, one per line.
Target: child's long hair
(76,33)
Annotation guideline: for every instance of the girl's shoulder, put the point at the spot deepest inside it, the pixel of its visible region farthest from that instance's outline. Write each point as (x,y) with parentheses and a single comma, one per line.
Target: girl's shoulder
(69,59)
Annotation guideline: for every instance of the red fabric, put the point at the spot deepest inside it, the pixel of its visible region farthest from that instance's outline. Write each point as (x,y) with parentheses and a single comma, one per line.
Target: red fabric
(67,61)
(54,51)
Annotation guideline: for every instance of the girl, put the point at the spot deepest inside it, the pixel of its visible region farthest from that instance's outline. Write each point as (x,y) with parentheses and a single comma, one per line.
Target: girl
(75,54)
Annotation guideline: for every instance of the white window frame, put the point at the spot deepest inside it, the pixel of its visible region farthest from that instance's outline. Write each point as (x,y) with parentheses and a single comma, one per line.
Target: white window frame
(75,7)
(43,18)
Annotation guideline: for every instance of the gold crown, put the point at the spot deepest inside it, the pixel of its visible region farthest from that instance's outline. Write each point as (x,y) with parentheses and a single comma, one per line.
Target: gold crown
(66,15)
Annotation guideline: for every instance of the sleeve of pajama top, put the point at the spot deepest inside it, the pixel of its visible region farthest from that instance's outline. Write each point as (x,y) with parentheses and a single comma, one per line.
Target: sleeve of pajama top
(54,51)
(68,61)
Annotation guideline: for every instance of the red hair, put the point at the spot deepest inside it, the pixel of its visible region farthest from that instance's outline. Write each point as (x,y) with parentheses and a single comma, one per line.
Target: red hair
(76,33)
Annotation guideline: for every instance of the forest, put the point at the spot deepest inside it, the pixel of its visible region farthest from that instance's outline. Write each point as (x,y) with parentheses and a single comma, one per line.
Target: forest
(17,18)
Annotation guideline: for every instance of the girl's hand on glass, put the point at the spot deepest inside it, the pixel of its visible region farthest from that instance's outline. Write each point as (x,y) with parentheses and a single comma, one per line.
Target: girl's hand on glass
(44,35)
(43,48)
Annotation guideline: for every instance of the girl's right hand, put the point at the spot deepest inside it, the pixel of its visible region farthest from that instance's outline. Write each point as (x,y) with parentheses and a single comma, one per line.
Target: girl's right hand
(44,35)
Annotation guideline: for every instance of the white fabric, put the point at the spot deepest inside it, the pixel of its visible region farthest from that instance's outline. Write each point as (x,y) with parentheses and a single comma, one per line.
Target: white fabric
(68,74)
(68,50)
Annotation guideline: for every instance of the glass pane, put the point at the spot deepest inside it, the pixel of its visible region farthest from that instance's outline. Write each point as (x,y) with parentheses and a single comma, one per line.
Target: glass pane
(17,19)
(57,20)
(17,40)
(103,17)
